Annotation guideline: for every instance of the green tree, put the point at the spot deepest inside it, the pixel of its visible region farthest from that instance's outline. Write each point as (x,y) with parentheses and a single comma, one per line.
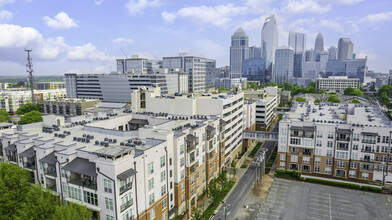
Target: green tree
(272,84)
(384,99)
(353,92)
(253,85)
(300,99)
(356,101)
(233,171)
(333,99)
(4,115)
(31,117)
(39,204)
(28,107)
(72,211)
(197,213)
(317,101)
(281,86)
(312,84)
(263,85)
(14,185)
(213,192)
(288,86)
(372,88)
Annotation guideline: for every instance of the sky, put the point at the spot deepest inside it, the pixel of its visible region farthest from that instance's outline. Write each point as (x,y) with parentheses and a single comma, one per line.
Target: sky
(87,36)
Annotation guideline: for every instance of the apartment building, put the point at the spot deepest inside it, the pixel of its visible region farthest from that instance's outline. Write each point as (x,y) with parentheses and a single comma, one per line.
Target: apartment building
(12,100)
(337,83)
(68,106)
(49,85)
(348,141)
(229,106)
(130,166)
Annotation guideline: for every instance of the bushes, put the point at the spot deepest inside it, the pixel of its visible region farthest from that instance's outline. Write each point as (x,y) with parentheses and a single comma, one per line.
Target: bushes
(300,99)
(344,185)
(244,166)
(288,174)
(371,189)
(255,149)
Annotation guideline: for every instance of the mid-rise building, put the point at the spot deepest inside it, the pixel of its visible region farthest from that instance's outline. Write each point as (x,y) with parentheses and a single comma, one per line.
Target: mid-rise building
(254,69)
(12,100)
(239,51)
(229,83)
(284,65)
(354,68)
(342,140)
(49,85)
(68,106)
(345,49)
(138,65)
(332,53)
(337,83)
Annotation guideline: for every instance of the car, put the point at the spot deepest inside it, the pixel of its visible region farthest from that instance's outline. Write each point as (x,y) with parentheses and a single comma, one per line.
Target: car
(206,94)
(177,94)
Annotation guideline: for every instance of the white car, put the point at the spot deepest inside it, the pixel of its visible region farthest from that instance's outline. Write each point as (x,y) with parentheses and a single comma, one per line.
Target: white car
(206,94)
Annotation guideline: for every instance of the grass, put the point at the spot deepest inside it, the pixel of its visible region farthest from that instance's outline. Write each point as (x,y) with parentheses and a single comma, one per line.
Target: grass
(210,210)
(244,166)
(272,157)
(255,149)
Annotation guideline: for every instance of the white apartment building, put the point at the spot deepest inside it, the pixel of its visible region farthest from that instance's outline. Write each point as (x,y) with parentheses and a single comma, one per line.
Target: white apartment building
(131,166)
(337,140)
(68,106)
(337,83)
(12,100)
(229,106)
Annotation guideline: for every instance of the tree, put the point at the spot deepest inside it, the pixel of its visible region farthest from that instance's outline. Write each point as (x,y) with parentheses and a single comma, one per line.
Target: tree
(4,115)
(312,84)
(39,204)
(272,84)
(288,86)
(356,101)
(372,88)
(31,117)
(72,211)
(384,99)
(333,99)
(14,185)
(263,85)
(28,107)
(253,85)
(233,171)
(197,213)
(300,99)
(213,192)
(353,92)
(317,101)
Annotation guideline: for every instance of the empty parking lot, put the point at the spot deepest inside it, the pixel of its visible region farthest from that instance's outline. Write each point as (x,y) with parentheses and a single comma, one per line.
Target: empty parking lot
(297,200)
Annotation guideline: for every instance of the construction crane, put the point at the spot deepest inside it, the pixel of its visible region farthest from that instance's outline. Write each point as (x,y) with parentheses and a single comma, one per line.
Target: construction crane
(29,69)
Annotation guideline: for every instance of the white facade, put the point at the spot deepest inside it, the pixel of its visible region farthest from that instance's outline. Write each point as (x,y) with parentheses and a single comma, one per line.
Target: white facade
(337,83)
(269,40)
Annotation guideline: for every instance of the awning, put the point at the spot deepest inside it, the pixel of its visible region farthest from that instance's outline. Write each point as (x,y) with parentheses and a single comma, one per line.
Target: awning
(29,153)
(11,147)
(222,121)
(81,166)
(190,137)
(126,174)
(210,128)
(369,133)
(138,121)
(305,128)
(344,131)
(49,159)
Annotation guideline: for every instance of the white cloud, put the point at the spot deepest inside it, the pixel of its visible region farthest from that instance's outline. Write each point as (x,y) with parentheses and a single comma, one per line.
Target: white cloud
(123,40)
(370,54)
(136,7)
(5,16)
(168,17)
(87,52)
(98,2)
(374,18)
(4,2)
(347,2)
(254,24)
(60,21)
(17,36)
(332,25)
(305,6)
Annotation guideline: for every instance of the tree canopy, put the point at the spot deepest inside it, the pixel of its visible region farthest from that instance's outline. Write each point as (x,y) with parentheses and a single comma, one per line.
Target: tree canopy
(28,107)
(353,92)
(333,99)
(300,99)
(4,115)
(317,101)
(356,101)
(30,117)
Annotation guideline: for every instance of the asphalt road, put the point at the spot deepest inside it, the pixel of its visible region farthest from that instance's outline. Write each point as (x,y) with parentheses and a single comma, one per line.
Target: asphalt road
(240,192)
(293,200)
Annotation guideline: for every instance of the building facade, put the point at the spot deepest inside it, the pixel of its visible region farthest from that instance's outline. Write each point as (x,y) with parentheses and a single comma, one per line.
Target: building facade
(68,106)
(269,40)
(254,69)
(337,83)
(239,51)
(49,85)
(345,49)
(354,68)
(284,65)
(297,41)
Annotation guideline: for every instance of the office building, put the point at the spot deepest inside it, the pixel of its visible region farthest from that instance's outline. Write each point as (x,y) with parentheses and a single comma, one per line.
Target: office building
(323,59)
(239,51)
(254,52)
(318,46)
(138,65)
(194,67)
(354,68)
(49,85)
(254,69)
(309,55)
(345,49)
(12,100)
(311,70)
(118,87)
(332,53)
(68,106)
(284,63)
(229,83)
(338,140)
(337,83)
(297,41)
(269,40)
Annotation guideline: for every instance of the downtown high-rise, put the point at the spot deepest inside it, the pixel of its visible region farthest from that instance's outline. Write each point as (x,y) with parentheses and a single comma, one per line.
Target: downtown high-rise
(239,51)
(297,41)
(269,40)
(345,49)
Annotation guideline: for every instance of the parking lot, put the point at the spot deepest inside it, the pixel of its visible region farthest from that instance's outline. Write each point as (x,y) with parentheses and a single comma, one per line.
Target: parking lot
(297,200)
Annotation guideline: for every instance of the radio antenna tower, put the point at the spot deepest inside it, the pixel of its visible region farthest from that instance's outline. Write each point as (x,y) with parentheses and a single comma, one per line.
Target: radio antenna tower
(29,69)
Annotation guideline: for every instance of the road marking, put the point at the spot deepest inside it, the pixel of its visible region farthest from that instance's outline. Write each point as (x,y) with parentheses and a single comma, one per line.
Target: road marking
(317,208)
(313,213)
(313,217)
(273,205)
(271,210)
(277,216)
(330,210)
(344,197)
(324,205)
(344,214)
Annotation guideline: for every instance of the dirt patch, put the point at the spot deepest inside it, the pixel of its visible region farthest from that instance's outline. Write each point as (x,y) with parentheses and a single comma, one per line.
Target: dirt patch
(261,190)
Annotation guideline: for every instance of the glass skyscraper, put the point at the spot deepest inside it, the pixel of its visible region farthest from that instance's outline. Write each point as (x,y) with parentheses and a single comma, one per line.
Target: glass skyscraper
(345,49)
(297,41)
(254,69)
(239,51)
(269,40)
(284,63)
(354,68)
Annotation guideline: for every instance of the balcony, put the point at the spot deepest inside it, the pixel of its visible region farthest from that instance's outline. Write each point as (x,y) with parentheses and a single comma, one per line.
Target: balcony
(369,141)
(51,187)
(366,159)
(83,182)
(342,148)
(126,205)
(51,171)
(294,152)
(306,152)
(29,165)
(190,146)
(367,150)
(125,188)
(11,158)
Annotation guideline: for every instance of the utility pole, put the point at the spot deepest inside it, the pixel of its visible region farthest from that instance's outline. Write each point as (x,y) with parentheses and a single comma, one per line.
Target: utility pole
(29,69)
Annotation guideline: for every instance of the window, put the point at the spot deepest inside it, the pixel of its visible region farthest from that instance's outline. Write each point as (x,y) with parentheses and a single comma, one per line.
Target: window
(150,184)
(318,151)
(182,162)
(353,165)
(351,173)
(365,175)
(341,164)
(283,140)
(341,155)
(64,186)
(150,168)
(109,204)
(282,165)
(318,143)
(192,180)
(295,141)
(356,137)
(317,160)
(329,153)
(329,144)
(151,199)
(181,149)
(327,170)
(317,169)
(294,158)
(163,176)
(183,198)
(182,174)
(90,198)
(182,186)
(328,161)
(164,216)
(107,185)
(164,204)
(109,217)
(305,159)
(163,190)
(354,155)
(74,193)
(284,131)
(282,148)
(163,161)
(282,157)
(307,142)
(330,135)
(355,146)
(319,134)
(152,214)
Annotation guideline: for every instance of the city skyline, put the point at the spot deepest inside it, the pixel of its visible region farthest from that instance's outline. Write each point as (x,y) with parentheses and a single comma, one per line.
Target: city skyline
(65,38)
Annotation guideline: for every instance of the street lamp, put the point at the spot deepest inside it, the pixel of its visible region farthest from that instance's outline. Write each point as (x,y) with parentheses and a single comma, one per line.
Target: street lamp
(225,205)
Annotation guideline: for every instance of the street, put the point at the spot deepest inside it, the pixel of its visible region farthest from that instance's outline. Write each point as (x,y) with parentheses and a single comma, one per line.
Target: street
(245,184)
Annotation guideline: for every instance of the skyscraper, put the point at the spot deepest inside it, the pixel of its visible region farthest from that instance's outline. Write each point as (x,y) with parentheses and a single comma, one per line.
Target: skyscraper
(319,44)
(284,63)
(269,40)
(309,55)
(345,49)
(254,52)
(297,41)
(332,51)
(239,51)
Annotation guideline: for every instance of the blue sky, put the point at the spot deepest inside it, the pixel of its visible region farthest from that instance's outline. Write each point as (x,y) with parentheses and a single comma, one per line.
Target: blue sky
(86,35)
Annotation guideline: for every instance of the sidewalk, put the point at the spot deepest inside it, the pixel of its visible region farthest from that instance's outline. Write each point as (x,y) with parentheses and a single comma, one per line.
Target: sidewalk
(335,180)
